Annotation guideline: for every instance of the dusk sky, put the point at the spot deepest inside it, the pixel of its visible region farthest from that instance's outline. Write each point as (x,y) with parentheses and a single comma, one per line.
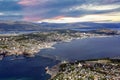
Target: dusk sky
(60,11)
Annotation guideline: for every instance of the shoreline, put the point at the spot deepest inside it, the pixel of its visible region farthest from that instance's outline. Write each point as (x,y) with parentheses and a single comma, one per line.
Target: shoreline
(51,45)
(55,70)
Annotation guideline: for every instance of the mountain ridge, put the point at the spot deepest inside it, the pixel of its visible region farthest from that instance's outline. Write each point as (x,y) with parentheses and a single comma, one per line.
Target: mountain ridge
(31,26)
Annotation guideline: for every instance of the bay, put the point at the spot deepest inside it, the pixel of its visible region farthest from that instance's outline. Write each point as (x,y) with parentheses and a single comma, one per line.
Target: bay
(82,49)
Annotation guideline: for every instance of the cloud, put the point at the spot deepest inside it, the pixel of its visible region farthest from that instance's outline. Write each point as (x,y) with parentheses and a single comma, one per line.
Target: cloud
(103,7)
(35,10)
(103,2)
(9,0)
(32,2)
(33,18)
(1,14)
(111,17)
(91,7)
(12,13)
(38,10)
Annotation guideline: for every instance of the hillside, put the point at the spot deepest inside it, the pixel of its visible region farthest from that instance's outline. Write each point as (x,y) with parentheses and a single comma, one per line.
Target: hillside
(29,26)
(19,26)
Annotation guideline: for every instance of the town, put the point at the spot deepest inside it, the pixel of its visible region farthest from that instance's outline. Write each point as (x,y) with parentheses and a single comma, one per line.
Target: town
(99,69)
(30,44)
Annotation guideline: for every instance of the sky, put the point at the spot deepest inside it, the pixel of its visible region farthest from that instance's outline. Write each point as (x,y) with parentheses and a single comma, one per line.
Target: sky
(60,11)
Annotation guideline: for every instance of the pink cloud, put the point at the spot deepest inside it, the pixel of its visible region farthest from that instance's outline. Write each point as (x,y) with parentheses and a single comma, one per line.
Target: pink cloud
(28,9)
(31,18)
(58,17)
(32,2)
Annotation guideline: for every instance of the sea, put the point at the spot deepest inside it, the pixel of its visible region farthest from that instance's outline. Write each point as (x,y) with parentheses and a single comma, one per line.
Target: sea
(82,49)
(23,68)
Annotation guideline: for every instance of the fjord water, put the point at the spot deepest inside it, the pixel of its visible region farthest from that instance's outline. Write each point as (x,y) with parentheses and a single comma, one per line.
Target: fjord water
(25,69)
(34,68)
(82,49)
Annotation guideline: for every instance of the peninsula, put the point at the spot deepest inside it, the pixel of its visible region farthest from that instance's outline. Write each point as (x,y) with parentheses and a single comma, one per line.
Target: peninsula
(30,44)
(97,69)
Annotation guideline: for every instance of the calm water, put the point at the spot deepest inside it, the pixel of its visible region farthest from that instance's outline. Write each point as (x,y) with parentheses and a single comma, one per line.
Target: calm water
(25,69)
(85,49)
(78,29)
(34,68)
(16,32)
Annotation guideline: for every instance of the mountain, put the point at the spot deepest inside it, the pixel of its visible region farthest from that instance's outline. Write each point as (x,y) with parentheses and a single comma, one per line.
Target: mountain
(20,26)
(85,25)
(30,26)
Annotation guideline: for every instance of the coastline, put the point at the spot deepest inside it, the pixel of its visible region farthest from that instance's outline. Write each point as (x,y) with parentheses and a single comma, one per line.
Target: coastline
(50,45)
(69,40)
(51,71)
(28,45)
(55,71)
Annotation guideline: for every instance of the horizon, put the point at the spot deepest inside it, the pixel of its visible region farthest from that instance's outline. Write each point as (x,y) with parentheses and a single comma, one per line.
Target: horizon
(64,11)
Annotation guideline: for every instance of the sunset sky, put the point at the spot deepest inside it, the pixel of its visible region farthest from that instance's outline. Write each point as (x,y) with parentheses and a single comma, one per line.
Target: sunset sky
(60,11)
